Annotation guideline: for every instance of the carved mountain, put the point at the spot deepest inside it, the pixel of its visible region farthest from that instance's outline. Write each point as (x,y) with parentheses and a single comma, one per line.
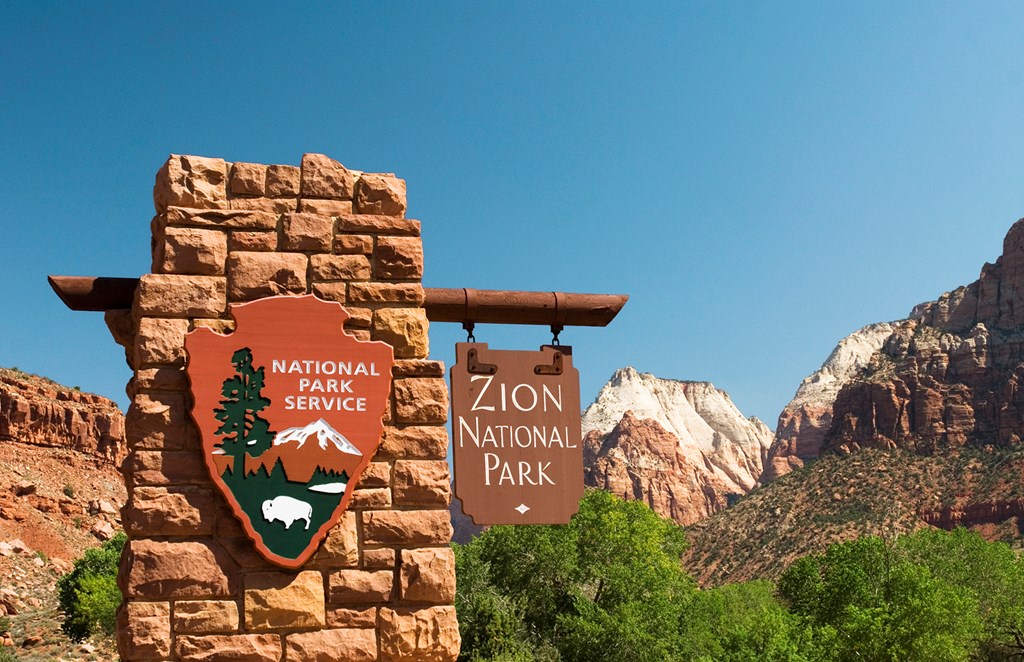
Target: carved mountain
(682,447)
(303,451)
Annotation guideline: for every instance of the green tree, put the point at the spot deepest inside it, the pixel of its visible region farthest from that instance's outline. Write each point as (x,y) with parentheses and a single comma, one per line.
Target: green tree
(88,595)
(867,600)
(607,586)
(990,571)
(242,429)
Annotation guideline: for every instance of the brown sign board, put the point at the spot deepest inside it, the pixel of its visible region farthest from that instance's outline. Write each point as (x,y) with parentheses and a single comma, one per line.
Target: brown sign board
(516,434)
(290,410)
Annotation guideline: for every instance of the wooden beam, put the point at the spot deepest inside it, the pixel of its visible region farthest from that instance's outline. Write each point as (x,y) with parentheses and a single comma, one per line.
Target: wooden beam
(441,304)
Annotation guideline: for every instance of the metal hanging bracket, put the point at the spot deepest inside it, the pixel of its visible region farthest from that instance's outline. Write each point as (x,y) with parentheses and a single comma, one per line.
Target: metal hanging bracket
(554,369)
(477,367)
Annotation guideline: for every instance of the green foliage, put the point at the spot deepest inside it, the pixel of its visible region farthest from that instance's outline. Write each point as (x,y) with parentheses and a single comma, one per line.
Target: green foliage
(867,599)
(69,491)
(7,655)
(242,429)
(88,595)
(606,586)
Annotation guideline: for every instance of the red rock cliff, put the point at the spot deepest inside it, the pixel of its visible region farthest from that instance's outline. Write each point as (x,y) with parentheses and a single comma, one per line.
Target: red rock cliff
(37,411)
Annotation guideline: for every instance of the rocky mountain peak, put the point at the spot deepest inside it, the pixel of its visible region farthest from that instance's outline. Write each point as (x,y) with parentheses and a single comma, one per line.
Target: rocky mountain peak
(681,446)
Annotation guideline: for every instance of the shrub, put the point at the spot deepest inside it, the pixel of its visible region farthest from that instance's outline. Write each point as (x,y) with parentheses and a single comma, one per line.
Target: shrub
(88,595)
(69,491)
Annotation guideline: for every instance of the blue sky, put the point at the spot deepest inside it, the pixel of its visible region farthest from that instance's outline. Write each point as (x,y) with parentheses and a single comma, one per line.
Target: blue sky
(761,178)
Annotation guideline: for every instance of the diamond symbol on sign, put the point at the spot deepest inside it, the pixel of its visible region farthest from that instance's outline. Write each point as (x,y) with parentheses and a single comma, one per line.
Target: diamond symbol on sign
(522,508)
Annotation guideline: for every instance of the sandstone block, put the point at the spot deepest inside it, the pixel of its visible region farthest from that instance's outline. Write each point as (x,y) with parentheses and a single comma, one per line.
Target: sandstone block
(342,617)
(353,244)
(229,648)
(247,241)
(161,378)
(248,178)
(380,194)
(428,575)
(252,275)
(350,644)
(358,317)
(216,325)
(307,232)
(341,546)
(405,329)
(360,586)
(162,511)
(166,468)
(205,616)
(122,328)
(425,635)
(364,334)
(375,224)
(399,258)
(222,219)
(414,442)
(323,177)
(418,368)
(166,295)
(370,499)
(190,251)
(272,205)
(421,400)
(380,558)
(191,181)
(276,600)
(144,630)
(283,180)
(340,267)
(160,341)
(156,420)
(238,547)
(325,207)
(411,293)
(377,474)
(422,483)
(179,569)
(407,527)
(331,291)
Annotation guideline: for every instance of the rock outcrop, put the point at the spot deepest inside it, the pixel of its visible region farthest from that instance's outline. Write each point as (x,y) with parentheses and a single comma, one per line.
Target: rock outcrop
(682,447)
(37,411)
(805,421)
(950,374)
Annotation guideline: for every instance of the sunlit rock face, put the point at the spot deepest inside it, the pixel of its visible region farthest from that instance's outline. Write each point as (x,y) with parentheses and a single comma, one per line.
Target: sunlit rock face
(682,447)
(805,421)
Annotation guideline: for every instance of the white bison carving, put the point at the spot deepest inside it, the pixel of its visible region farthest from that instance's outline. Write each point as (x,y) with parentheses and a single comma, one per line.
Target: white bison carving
(286,509)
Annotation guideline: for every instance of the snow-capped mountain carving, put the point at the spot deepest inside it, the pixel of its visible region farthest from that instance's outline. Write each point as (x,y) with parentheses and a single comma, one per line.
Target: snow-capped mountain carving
(325,435)
(332,455)
(720,451)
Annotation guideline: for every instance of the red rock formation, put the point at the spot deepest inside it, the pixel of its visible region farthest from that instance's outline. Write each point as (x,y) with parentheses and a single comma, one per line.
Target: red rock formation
(40,412)
(641,460)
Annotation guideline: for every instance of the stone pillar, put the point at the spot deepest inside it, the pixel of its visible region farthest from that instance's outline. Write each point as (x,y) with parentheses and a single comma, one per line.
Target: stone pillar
(382,585)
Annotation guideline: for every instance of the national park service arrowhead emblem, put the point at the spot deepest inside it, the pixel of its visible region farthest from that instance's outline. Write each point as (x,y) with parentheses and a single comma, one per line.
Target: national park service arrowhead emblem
(290,410)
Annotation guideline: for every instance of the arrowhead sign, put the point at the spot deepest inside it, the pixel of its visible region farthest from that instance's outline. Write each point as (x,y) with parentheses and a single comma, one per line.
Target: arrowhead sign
(290,411)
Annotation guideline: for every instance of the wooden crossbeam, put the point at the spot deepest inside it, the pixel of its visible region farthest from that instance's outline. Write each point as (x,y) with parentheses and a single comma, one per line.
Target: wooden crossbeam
(99,293)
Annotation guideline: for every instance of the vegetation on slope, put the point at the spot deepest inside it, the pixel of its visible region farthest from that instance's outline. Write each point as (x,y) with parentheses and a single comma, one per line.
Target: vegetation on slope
(609,586)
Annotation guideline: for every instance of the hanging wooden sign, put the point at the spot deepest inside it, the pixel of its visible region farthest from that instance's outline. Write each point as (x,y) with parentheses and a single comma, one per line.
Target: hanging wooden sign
(516,434)
(290,410)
